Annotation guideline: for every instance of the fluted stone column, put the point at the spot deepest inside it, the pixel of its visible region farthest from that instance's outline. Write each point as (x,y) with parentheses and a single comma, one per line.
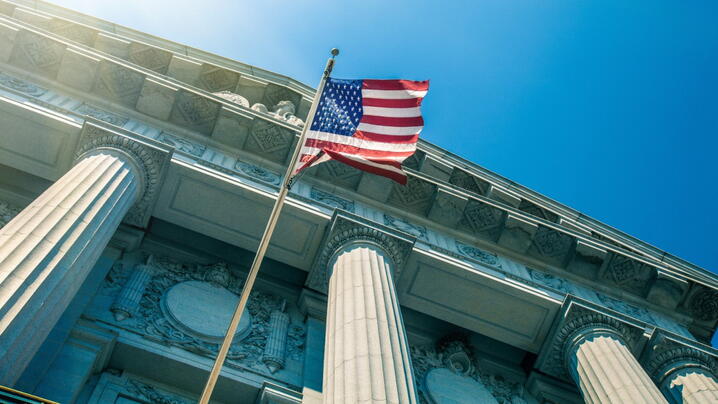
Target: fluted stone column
(606,371)
(683,369)
(366,353)
(48,249)
(595,348)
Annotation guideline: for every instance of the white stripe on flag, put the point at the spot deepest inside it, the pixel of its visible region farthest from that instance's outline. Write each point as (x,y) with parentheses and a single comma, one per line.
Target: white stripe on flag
(389,130)
(392,112)
(392,94)
(315,151)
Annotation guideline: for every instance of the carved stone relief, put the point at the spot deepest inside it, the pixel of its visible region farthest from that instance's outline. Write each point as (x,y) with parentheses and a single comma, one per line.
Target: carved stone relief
(183,145)
(7,212)
(265,338)
(21,85)
(331,200)
(233,97)
(482,219)
(449,374)
(89,110)
(416,196)
(37,53)
(629,274)
(400,224)
(257,173)
(478,254)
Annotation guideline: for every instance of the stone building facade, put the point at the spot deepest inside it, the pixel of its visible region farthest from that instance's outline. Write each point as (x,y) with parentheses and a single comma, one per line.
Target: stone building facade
(136,175)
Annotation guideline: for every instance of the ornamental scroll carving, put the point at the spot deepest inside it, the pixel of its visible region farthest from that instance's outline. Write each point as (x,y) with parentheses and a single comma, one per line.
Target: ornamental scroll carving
(267,341)
(448,373)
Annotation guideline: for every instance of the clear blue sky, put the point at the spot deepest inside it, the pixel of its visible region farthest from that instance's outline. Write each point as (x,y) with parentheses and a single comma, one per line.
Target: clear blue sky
(609,107)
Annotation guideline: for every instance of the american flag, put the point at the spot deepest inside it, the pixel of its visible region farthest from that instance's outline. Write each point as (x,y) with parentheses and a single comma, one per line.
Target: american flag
(372,125)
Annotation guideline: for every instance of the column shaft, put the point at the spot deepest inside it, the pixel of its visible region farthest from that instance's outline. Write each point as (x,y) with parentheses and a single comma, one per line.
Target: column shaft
(607,372)
(691,385)
(366,357)
(48,249)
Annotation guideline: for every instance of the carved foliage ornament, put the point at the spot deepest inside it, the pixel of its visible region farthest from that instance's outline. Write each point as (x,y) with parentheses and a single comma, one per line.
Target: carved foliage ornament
(703,304)
(152,159)
(345,229)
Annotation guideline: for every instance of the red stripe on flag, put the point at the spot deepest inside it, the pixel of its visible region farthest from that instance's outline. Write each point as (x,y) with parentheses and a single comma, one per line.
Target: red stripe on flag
(378,137)
(344,148)
(391,174)
(395,85)
(389,103)
(390,121)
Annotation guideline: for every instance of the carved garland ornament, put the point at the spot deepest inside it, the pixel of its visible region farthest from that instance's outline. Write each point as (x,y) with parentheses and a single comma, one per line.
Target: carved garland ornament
(152,161)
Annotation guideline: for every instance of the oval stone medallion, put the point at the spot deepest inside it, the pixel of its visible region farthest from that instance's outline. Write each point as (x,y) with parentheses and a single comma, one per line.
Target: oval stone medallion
(203,310)
(446,387)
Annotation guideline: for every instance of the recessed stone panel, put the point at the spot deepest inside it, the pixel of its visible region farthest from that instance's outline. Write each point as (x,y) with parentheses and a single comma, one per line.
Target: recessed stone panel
(232,128)
(74,32)
(214,78)
(149,57)
(183,69)
(415,197)
(119,83)
(156,99)
(78,70)
(113,45)
(7,41)
(37,53)
(195,111)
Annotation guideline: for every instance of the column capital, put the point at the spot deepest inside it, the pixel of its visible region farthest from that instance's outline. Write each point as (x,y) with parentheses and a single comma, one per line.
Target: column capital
(667,353)
(149,157)
(578,320)
(345,229)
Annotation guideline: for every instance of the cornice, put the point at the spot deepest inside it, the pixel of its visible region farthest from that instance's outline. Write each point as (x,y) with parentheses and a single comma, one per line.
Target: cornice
(151,158)
(579,319)
(346,228)
(667,353)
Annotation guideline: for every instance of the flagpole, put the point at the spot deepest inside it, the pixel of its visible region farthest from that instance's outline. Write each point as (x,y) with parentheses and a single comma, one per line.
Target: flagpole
(264,242)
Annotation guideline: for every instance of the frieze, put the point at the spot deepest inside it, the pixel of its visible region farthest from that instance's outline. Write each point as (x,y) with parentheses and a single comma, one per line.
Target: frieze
(482,219)
(550,281)
(400,224)
(331,200)
(703,304)
(478,254)
(248,350)
(182,145)
(21,85)
(257,173)
(97,113)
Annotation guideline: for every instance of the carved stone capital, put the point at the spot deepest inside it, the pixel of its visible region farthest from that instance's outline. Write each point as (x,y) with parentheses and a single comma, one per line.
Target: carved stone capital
(150,158)
(579,320)
(346,229)
(667,353)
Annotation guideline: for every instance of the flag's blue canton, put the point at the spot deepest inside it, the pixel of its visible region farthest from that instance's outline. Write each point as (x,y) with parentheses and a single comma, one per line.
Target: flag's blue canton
(340,107)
